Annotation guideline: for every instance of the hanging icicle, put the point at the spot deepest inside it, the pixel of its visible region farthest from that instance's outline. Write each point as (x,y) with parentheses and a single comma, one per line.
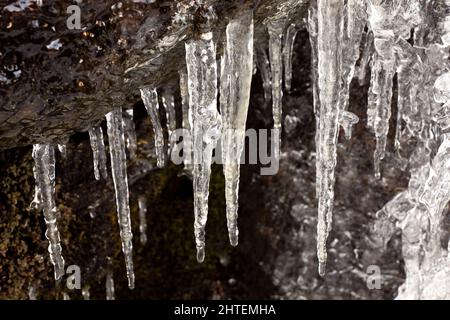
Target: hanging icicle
(235,85)
(263,64)
(186,123)
(276,29)
(151,103)
(98,152)
(142,203)
(44,162)
(130,132)
(329,33)
(206,125)
(119,172)
(168,101)
(288,50)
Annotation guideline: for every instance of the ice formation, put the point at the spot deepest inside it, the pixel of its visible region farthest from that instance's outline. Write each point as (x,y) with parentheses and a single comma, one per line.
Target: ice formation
(348,38)
(288,50)
(168,101)
(142,203)
(130,133)
(186,124)
(206,125)
(151,103)
(235,84)
(98,152)
(275,29)
(44,169)
(116,138)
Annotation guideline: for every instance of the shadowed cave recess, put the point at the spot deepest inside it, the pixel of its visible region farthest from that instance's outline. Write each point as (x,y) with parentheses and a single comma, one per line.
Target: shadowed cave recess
(352,95)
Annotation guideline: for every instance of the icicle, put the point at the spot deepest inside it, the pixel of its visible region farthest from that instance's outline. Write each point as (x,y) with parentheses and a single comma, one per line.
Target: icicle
(119,173)
(383,70)
(150,99)
(354,20)
(206,125)
(169,105)
(187,138)
(110,286)
(130,133)
(235,85)
(142,203)
(288,49)
(85,293)
(276,29)
(98,152)
(262,61)
(329,68)
(365,56)
(44,160)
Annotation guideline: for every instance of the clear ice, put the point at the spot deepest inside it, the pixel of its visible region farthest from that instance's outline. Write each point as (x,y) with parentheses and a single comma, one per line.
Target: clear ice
(44,170)
(116,137)
(98,152)
(235,85)
(130,133)
(142,204)
(206,125)
(168,101)
(150,98)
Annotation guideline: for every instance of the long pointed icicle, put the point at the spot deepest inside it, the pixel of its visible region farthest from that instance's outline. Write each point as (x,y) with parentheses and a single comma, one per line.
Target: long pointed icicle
(263,64)
(44,159)
(169,105)
(142,203)
(288,50)
(186,123)
(119,173)
(130,132)
(150,99)
(98,152)
(276,29)
(206,125)
(235,85)
(329,67)
(383,70)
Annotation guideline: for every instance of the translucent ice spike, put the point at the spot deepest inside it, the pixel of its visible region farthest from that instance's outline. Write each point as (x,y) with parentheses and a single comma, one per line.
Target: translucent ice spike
(44,161)
(235,85)
(119,172)
(206,125)
(329,33)
(150,99)
(98,152)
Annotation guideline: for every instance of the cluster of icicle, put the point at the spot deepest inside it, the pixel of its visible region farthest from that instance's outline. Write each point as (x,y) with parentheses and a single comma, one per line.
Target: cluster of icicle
(342,32)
